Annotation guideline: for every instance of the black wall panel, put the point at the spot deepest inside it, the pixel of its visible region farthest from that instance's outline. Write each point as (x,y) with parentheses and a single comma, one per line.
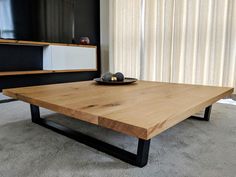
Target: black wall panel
(88,11)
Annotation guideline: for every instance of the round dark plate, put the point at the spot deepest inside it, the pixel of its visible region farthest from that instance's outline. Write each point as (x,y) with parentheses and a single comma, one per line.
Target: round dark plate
(125,82)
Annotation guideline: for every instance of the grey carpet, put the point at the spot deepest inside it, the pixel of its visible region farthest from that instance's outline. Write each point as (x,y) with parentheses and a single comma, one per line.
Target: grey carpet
(190,149)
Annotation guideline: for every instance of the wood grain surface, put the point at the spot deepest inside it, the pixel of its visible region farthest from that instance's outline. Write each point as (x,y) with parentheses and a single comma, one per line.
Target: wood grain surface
(143,109)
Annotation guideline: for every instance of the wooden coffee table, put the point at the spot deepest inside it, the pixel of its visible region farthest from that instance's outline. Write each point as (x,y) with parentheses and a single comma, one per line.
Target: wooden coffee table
(143,110)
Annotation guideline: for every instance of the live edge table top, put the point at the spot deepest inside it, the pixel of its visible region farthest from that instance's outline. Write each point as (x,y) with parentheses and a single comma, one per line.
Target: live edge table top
(143,109)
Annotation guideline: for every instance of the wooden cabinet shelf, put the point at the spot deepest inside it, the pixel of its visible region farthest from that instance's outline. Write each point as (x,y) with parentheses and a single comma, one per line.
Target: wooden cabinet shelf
(16,42)
(34,43)
(14,73)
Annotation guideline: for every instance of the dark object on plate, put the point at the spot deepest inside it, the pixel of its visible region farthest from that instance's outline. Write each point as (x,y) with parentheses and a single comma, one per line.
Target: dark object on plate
(120,76)
(124,82)
(107,76)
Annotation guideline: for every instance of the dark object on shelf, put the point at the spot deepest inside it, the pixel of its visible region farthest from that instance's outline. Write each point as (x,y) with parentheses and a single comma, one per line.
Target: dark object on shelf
(84,41)
(124,82)
(120,76)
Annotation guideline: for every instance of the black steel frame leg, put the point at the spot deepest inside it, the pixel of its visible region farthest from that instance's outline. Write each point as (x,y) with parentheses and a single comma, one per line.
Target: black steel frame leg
(7,100)
(207,115)
(140,159)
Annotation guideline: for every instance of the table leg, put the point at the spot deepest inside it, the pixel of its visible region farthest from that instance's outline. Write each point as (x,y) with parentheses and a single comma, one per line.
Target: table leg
(140,159)
(206,116)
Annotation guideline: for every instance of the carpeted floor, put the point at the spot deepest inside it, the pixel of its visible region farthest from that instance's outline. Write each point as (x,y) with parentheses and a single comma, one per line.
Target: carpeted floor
(190,149)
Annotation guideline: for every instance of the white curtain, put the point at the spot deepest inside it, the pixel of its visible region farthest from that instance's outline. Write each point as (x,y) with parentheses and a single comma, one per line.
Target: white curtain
(184,41)
(125,41)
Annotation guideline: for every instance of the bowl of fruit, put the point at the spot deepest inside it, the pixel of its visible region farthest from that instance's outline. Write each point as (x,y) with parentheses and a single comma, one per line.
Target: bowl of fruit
(114,79)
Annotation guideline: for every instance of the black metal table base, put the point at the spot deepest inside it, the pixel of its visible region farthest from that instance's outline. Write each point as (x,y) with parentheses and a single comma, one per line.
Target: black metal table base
(140,159)
(7,100)
(206,116)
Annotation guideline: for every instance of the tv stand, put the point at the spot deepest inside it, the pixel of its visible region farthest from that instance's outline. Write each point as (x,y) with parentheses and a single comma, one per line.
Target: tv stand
(54,63)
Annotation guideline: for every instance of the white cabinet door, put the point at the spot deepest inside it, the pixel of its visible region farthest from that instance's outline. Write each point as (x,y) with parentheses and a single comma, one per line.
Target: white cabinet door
(70,57)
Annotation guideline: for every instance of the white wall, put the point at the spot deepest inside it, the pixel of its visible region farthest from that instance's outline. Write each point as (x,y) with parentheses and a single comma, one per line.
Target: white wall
(104,20)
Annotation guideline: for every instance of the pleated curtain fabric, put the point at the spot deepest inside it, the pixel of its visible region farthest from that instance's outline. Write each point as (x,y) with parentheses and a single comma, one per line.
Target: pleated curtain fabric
(181,41)
(125,33)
